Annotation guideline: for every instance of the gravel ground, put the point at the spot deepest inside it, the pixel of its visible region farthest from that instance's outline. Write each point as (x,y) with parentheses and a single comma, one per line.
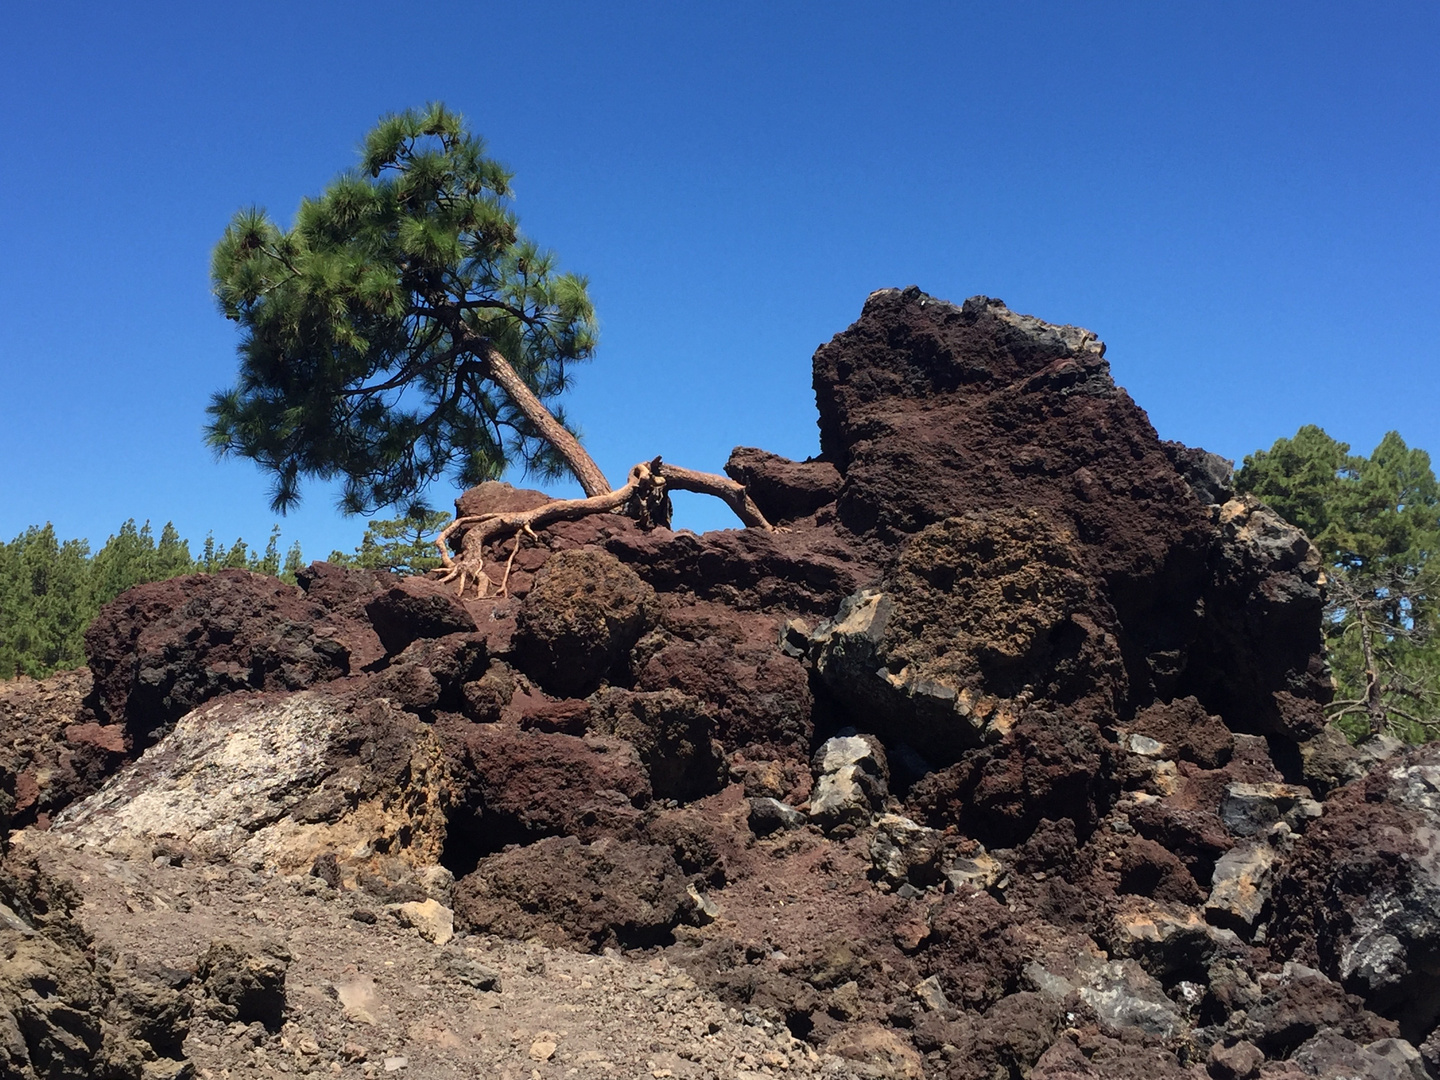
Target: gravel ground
(366,996)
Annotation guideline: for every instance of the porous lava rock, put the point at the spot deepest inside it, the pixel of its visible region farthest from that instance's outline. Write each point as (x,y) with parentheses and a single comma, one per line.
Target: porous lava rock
(610,892)
(580,620)
(416,608)
(1360,896)
(784,490)
(52,751)
(58,1006)
(1002,757)
(729,659)
(247,983)
(932,410)
(674,734)
(513,786)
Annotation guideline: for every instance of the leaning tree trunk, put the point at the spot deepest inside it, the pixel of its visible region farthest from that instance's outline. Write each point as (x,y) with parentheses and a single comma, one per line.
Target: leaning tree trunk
(644,497)
(592,480)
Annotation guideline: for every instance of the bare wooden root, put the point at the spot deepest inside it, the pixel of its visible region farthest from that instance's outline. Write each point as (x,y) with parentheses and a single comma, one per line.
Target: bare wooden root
(644,497)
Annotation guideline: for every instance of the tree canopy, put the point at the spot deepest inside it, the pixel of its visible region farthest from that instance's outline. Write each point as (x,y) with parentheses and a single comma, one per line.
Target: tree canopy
(1376,521)
(402,329)
(402,546)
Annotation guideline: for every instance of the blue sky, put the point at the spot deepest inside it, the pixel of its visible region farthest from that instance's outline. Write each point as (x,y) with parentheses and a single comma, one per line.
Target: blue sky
(1239,198)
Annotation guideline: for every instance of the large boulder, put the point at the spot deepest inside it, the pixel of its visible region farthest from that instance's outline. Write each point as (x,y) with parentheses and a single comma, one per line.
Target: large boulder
(979,610)
(580,620)
(160,650)
(563,891)
(933,411)
(278,780)
(512,786)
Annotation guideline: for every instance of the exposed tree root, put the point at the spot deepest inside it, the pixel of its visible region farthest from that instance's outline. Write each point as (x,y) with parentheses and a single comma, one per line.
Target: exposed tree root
(644,497)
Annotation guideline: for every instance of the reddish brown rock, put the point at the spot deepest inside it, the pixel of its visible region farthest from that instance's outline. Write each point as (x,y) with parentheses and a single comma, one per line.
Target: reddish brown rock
(784,490)
(563,891)
(433,674)
(731,661)
(416,608)
(674,735)
(511,786)
(580,620)
(159,650)
(51,749)
(1186,731)
(1359,895)
(495,497)
(1048,766)
(976,949)
(933,410)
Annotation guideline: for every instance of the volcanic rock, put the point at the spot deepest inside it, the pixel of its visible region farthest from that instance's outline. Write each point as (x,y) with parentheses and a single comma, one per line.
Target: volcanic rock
(560,890)
(1007,644)
(783,490)
(511,786)
(1360,897)
(51,749)
(416,608)
(673,734)
(247,984)
(161,650)
(580,620)
(278,780)
(851,777)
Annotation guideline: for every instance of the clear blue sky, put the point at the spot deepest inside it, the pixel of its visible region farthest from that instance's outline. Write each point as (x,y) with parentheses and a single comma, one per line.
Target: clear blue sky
(1239,198)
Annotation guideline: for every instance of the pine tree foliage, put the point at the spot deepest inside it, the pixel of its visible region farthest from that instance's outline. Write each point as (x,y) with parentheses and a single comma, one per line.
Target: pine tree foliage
(1376,521)
(402,546)
(369,326)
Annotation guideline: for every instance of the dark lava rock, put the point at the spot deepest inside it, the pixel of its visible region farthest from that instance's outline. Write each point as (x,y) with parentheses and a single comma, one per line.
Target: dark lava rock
(769,815)
(674,735)
(976,948)
(1210,476)
(248,985)
(784,490)
(514,786)
(563,891)
(416,608)
(51,749)
(1257,663)
(1187,731)
(1049,766)
(979,608)
(1360,897)
(580,620)
(934,411)
(729,660)
(441,673)
(159,650)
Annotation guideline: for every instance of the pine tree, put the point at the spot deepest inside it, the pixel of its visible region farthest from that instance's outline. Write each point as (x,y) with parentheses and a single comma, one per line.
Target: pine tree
(401,545)
(1376,521)
(403,329)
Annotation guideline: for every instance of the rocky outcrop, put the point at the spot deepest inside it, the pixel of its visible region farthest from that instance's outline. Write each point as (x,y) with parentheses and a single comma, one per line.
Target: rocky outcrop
(160,651)
(278,780)
(52,750)
(1001,758)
